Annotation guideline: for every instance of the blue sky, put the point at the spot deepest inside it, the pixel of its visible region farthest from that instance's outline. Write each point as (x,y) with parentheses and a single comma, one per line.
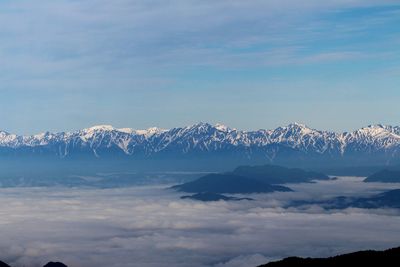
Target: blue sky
(256,64)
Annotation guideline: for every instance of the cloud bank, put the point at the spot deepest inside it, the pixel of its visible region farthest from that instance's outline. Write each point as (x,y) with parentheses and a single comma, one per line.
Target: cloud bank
(151,226)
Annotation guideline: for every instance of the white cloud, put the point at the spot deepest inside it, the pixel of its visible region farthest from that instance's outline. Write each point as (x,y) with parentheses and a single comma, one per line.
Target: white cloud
(150,226)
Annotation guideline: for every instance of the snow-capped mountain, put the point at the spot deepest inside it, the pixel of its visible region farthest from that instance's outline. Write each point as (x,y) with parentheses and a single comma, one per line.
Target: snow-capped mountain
(295,142)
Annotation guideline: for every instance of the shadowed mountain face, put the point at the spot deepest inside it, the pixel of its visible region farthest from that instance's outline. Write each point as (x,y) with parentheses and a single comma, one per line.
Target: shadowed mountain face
(213,197)
(389,199)
(385,176)
(387,258)
(228,184)
(272,174)
(2,264)
(250,179)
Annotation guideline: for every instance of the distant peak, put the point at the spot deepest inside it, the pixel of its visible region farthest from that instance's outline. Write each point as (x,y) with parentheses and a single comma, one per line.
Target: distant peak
(201,125)
(126,130)
(222,127)
(373,126)
(42,135)
(297,125)
(101,128)
(108,128)
(150,131)
(155,129)
(378,126)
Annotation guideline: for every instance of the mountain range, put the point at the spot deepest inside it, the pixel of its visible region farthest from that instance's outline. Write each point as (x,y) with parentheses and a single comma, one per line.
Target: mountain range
(212,145)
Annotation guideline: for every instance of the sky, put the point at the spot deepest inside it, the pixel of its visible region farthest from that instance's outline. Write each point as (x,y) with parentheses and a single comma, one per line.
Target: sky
(71,64)
(150,226)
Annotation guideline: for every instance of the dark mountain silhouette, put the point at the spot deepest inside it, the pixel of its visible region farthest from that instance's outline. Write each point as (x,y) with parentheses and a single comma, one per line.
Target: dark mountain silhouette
(385,176)
(273,174)
(250,179)
(50,264)
(387,258)
(228,184)
(213,197)
(389,199)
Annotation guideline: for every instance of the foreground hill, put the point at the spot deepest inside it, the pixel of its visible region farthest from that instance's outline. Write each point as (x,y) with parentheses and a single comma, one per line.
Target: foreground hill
(387,258)
(206,146)
(50,264)
(384,176)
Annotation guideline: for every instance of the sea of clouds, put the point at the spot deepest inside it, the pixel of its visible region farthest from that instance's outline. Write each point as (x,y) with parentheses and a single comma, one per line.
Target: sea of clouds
(150,226)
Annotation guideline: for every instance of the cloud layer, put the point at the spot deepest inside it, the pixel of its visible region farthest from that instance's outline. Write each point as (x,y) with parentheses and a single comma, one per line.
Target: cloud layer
(150,226)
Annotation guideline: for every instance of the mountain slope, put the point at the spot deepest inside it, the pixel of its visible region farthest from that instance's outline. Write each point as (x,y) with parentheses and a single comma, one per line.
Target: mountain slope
(388,199)
(228,184)
(273,174)
(250,179)
(386,258)
(384,176)
(295,144)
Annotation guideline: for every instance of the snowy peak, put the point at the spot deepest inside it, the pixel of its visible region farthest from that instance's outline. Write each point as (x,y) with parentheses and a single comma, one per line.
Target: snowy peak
(149,132)
(222,127)
(126,130)
(376,132)
(373,138)
(297,125)
(100,128)
(302,129)
(131,131)
(206,138)
(200,127)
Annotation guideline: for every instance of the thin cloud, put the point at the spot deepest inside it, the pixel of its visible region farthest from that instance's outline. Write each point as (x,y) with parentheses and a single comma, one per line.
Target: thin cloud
(72,57)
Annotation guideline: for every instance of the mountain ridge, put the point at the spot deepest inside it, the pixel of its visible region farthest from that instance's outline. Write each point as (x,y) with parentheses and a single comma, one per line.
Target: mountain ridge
(294,142)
